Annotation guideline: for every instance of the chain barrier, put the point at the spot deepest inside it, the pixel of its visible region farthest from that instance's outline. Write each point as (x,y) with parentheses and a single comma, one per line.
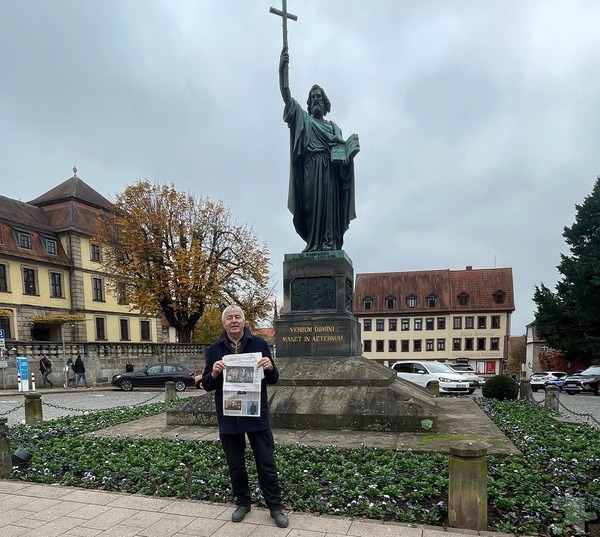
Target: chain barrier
(12,410)
(587,418)
(119,407)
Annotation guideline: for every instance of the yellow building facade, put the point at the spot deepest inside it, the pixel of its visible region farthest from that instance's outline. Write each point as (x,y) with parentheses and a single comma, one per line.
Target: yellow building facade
(51,266)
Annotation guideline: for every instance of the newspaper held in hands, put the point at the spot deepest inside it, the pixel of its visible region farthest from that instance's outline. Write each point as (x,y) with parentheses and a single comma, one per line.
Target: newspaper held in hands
(242,384)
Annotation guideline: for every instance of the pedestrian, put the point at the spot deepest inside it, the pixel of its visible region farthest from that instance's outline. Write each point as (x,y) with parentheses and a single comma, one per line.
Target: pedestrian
(236,339)
(128,367)
(70,374)
(45,370)
(79,370)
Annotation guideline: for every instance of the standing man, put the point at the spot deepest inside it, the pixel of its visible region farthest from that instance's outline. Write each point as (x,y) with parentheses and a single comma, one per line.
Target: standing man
(45,370)
(79,369)
(236,339)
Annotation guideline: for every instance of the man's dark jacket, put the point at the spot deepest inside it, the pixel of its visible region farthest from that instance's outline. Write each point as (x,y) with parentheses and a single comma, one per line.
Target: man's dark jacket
(241,424)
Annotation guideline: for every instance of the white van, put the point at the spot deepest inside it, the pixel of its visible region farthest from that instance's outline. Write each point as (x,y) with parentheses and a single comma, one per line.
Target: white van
(423,372)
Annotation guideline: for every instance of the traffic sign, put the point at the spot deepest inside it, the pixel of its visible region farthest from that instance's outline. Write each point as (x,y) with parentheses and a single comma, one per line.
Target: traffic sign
(2,345)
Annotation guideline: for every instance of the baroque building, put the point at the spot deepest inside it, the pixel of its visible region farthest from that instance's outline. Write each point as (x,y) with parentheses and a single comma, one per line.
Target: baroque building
(443,315)
(51,266)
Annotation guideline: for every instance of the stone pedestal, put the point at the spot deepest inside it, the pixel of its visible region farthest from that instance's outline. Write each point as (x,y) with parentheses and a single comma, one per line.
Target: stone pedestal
(316,319)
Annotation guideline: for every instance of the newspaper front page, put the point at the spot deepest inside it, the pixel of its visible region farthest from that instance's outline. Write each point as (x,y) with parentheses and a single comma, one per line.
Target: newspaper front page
(241,384)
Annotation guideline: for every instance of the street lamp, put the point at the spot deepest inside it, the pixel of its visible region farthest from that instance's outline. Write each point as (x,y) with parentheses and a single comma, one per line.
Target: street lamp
(165,333)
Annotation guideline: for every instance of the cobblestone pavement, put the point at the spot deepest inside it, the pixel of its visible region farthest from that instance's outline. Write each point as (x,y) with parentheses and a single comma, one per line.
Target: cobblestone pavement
(583,407)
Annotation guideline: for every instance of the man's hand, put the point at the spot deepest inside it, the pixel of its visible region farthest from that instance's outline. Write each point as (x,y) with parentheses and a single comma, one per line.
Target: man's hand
(217,368)
(284,59)
(265,363)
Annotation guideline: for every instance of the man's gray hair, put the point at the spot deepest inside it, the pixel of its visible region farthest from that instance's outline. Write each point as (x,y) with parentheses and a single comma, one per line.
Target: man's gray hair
(230,308)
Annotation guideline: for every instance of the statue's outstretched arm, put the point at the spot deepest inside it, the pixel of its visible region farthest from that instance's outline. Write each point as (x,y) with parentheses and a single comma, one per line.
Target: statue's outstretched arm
(284,86)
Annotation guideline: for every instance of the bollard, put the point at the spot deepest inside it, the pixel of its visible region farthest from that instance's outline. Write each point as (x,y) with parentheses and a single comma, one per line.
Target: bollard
(525,391)
(434,388)
(467,488)
(551,399)
(33,408)
(170,392)
(5,452)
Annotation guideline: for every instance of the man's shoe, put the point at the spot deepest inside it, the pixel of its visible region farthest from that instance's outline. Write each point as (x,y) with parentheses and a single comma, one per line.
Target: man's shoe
(280,519)
(240,513)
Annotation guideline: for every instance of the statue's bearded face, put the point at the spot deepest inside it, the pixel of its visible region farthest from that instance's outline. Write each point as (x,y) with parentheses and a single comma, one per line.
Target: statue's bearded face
(318,104)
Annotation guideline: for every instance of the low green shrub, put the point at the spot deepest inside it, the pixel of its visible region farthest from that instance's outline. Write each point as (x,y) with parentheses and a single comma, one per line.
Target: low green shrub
(500,387)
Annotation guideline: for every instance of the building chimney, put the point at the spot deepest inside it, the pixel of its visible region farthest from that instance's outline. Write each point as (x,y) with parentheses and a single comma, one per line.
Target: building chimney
(469,267)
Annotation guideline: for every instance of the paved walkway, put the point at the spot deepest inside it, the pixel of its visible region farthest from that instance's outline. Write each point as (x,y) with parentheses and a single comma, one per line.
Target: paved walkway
(33,510)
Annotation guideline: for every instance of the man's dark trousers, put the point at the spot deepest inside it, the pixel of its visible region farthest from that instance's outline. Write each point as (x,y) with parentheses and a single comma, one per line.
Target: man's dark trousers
(263,447)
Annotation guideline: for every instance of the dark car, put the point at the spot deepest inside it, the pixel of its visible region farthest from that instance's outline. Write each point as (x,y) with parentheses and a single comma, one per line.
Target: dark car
(155,376)
(586,381)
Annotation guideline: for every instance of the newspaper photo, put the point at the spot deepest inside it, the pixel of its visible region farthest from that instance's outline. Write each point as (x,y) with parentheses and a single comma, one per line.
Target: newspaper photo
(242,384)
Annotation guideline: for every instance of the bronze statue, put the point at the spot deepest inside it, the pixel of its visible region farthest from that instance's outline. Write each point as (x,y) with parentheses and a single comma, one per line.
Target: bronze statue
(321,189)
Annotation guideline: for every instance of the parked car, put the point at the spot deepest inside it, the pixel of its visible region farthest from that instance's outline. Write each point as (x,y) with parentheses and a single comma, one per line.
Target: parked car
(586,381)
(155,376)
(424,372)
(538,380)
(475,380)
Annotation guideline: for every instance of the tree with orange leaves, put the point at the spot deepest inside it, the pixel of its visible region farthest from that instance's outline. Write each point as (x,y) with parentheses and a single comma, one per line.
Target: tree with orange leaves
(176,254)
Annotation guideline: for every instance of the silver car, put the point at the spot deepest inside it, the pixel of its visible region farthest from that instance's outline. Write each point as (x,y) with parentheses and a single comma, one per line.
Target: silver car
(475,380)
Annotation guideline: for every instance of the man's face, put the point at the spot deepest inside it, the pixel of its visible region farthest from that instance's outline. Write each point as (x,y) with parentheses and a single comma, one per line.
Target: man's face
(234,324)
(316,103)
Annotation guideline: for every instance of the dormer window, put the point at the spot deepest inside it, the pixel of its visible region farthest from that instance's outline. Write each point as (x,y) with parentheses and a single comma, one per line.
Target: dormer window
(50,246)
(390,302)
(432,301)
(463,299)
(368,303)
(411,301)
(24,240)
(499,297)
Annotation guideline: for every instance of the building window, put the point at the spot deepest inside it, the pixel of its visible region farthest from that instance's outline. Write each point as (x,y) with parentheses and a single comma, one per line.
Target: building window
(457,323)
(145,334)
(392,325)
(441,322)
(495,321)
(404,345)
(432,301)
(97,289)
(51,246)
(29,281)
(379,345)
(456,344)
(392,345)
(56,287)
(469,323)
(499,297)
(430,323)
(124,329)
(24,240)
(469,344)
(367,345)
(367,325)
(95,252)
(429,344)
(405,324)
(368,303)
(463,299)
(417,345)
(494,344)
(480,343)
(441,344)
(390,302)
(418,324)
(380,325)
(3,279)
(481,323)
(100,328)
(411,301)
(5,325)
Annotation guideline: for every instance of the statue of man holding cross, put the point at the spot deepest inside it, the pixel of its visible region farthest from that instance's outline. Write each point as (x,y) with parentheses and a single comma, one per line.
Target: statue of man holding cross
(321,188)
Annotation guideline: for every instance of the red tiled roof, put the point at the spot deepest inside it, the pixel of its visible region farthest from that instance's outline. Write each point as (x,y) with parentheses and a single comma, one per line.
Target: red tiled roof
(446,285)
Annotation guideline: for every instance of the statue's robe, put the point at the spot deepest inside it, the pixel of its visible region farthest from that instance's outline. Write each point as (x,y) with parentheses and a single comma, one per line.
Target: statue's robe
(321,192)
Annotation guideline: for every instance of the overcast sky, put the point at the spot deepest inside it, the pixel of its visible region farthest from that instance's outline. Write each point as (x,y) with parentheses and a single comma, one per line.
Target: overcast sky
(479,121)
